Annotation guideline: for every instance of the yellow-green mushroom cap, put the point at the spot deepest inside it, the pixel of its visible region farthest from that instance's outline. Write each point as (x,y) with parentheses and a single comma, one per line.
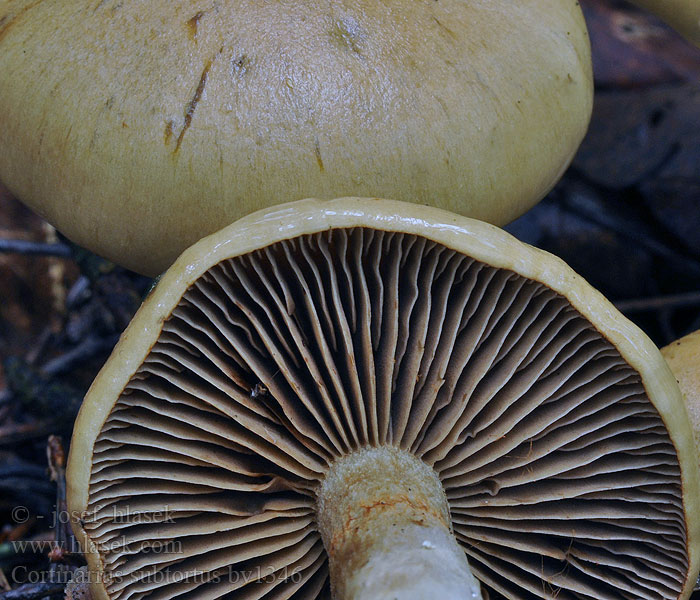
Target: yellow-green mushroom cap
(304,333)
(136,128)
(683,356)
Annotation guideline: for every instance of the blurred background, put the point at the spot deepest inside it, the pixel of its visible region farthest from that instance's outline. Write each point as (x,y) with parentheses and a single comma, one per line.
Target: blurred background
(626,216)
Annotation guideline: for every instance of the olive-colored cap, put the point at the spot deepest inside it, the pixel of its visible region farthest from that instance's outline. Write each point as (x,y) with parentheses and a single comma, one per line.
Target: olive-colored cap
(136,128)
(683,356)
(304,333)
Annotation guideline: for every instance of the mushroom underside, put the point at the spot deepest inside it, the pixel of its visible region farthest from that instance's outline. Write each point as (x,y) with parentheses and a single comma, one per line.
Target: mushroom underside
(560,476)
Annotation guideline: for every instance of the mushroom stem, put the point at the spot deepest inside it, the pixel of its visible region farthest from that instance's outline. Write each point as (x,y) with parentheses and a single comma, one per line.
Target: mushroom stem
(385,523)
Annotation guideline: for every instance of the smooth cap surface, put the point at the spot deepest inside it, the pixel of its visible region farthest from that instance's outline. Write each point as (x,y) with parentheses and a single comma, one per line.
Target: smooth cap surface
(136,128)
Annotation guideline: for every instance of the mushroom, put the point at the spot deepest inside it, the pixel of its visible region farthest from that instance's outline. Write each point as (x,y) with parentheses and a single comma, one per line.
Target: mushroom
(349,397)
(683,356)
(682,15)
(136,128)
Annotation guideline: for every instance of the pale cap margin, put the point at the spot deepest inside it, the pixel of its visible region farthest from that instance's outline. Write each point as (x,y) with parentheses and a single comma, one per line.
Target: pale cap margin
(479,240)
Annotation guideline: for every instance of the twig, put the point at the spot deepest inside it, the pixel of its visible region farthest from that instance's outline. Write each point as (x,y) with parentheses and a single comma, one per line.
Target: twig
(78,292)
(21,477)
(684,300)
(650,244)
(664,320)
(694,326)
(35,248)
(57,470)
(39,346)
(17,467)
(13,434)
(87,349)
(32,591)
(610,222)
(4,584)
(56,456)
(6,396)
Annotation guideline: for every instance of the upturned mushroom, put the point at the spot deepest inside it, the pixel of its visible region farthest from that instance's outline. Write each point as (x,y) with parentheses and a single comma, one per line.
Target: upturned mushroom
(352,397)
(136,128)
